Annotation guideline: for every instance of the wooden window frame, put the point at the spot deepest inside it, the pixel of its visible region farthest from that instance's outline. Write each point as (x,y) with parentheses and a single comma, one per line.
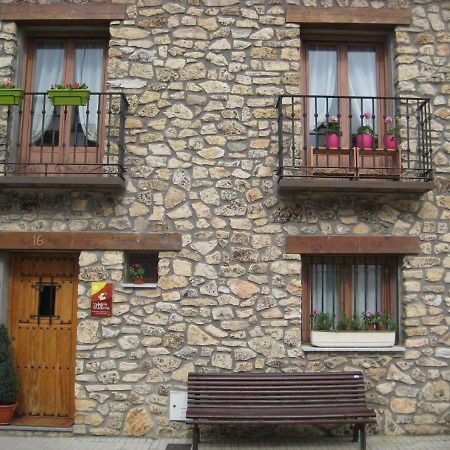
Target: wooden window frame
(389,284)
(28,78)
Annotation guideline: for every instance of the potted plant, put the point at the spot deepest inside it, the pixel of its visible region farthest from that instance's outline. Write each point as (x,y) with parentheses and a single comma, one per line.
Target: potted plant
(364,136)
(332,132)
(136,272)
(349,333)
(9,382)
(72,94)
(371,320)
(9,94)
(390,137)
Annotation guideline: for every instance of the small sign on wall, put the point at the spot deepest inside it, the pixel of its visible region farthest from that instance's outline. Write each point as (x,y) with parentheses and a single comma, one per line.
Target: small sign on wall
(101,299)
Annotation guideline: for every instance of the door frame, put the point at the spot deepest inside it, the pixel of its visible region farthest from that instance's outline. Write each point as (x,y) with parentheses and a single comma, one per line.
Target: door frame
(13,258)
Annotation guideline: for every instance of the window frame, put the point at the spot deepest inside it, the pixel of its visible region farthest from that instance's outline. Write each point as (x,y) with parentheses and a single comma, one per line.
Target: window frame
(389,284)
(342,43)
(63,150)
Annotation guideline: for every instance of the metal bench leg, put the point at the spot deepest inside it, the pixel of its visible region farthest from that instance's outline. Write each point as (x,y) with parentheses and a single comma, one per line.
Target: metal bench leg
(355,433)
(195,437)
(363,437)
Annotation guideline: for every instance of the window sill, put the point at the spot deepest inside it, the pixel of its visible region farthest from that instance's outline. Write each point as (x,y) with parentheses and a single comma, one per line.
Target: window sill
(143,285)
(394,349)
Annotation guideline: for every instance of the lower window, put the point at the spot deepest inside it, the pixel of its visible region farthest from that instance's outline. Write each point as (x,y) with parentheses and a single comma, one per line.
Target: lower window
(350,287)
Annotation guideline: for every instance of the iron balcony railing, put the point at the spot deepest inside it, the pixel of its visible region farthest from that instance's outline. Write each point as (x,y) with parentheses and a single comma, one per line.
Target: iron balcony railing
(48,141)
(398,145)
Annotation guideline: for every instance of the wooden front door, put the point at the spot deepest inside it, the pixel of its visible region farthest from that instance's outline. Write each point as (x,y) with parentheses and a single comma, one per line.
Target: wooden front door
(43,299)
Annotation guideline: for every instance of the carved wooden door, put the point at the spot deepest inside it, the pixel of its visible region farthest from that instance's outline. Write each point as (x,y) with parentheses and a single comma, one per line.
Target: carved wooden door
(43,299)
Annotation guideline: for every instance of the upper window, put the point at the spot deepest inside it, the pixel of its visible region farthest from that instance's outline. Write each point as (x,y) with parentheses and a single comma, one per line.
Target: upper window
(349,285)
(352,68)
(57,61)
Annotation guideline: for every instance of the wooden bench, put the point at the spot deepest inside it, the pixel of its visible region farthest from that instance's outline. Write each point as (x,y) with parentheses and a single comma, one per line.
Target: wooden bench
(269,398)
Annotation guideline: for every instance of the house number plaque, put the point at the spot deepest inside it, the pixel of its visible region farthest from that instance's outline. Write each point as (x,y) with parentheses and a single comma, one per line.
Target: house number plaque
(38,240)
(101,299)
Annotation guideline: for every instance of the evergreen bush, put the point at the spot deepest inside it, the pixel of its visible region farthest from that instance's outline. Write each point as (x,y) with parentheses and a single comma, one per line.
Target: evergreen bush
(9,382)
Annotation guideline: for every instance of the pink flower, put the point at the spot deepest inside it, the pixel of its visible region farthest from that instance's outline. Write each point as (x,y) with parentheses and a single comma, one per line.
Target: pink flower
(368,313)
(388,119)
(367,115)
(314,312)
(333,119)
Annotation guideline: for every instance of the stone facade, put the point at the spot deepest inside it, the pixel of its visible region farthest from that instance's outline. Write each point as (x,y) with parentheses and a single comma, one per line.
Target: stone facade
(202,78)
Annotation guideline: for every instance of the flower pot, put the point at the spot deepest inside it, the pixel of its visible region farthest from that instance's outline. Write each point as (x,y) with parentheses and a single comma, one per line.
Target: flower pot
(6,413)
(355,339)
(370,327)
(69,97)
(332,140)
(364,140)
(138,280)
(11,96)
(390,142)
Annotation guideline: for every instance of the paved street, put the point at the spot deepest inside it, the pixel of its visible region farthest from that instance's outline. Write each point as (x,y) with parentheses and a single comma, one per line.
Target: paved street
(9,442)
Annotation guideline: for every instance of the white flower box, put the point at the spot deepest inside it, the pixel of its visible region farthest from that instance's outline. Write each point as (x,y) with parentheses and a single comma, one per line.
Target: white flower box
(346,339)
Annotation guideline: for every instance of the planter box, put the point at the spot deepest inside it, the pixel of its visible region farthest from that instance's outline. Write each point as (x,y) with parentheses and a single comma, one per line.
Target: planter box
(12,96)
(348,339)
(69,97)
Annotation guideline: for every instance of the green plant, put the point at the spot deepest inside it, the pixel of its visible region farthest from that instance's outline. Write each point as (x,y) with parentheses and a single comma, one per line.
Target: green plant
(371,318)
(365,128)
(9,382)
(322,321)
(343,323)
(391,129)
(332,126)
(357,324)
(69,86)
(7,85)
(136,270)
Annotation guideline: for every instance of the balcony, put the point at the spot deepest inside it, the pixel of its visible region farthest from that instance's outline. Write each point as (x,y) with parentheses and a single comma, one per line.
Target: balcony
(310,160)
(64,146)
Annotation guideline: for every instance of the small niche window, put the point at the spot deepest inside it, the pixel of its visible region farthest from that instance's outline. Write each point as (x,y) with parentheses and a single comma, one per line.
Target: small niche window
(141,268)
(47,298)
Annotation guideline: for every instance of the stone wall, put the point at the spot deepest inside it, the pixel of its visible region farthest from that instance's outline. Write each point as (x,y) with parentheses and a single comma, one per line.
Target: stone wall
(202,78)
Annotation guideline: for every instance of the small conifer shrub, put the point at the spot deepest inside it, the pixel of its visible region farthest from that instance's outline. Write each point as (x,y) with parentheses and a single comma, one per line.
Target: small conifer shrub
(9,382)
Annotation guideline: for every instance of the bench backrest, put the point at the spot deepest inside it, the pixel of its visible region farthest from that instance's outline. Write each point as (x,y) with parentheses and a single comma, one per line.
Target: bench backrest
(271,390)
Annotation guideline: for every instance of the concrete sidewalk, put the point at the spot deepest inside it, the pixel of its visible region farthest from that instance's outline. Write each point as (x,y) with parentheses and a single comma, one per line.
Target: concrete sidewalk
(382,442)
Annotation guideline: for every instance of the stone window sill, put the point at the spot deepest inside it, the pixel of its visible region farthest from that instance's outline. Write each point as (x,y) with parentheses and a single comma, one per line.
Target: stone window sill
(137,286)
(394,349)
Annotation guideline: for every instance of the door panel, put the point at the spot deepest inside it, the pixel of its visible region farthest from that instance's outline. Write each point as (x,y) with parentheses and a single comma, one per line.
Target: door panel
(43,331)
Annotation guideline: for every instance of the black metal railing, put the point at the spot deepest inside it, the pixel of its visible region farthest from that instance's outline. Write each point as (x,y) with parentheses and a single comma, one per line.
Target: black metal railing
(321,137)
(45,140)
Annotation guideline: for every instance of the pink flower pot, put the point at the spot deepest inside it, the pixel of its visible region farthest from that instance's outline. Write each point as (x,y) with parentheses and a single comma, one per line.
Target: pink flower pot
(390,142)
(364,140)
(332,140)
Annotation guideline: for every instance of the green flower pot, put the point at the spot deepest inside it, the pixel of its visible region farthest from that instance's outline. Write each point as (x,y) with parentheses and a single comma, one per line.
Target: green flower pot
(69,97)
(11,96)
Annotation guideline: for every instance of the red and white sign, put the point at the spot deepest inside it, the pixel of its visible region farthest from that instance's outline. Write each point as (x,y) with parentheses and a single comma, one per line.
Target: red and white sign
(101,299)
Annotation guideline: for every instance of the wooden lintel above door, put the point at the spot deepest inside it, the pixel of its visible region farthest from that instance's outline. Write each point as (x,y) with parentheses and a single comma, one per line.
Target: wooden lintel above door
(89,241)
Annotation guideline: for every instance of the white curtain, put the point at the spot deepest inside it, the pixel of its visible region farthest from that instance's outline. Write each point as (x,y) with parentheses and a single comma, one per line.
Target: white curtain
(366,288)
(362,75)
(49,68)
(322,80)
(325,296)
(88,69)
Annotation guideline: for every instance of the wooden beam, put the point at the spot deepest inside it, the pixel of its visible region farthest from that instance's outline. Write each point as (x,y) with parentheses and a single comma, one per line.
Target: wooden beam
(89,240)
(348,16)
(62,11)
(293,185)
(352,245)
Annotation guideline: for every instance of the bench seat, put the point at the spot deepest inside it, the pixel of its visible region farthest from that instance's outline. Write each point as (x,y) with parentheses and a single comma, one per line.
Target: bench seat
(265,398)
